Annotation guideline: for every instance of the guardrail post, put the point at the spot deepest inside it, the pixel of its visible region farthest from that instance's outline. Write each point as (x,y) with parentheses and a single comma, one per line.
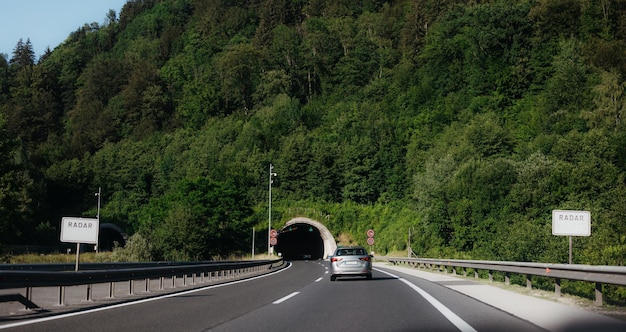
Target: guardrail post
(62,295)
(557,287)
(89,295)
(529,281)
(507,278)
(131,285)
(111,290)
(174,281)
(29,296)
(598,301)
(490,276)
(147,285)
(476,274)
(161,283)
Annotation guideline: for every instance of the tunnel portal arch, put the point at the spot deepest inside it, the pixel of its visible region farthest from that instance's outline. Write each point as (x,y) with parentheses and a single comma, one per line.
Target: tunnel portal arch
(328,243)
(109,236)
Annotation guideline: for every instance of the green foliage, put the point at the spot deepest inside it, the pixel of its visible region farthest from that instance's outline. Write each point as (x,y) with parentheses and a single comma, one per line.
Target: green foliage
(479,49)
(462,122)
(16,191)
(196,221)
(137,249)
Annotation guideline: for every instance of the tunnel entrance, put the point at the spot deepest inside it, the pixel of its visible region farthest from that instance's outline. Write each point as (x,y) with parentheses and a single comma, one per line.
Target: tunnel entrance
(109,235)
(300,241)
(304,238)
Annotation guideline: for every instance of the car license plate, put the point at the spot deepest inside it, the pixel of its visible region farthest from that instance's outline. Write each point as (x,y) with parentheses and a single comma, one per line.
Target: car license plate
(351,263)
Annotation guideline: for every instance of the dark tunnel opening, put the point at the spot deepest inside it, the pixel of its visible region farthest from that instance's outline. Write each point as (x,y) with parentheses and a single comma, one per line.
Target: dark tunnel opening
(300,241)
(108,237)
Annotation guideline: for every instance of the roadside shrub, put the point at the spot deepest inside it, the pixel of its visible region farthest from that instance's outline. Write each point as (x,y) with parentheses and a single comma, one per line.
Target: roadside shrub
(137,249)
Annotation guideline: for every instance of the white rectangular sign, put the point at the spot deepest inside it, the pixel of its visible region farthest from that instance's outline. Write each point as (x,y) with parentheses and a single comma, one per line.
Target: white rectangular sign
(572,223)
(79,230)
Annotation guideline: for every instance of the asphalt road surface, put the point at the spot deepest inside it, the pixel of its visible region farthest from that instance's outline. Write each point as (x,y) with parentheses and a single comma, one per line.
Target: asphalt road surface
(298,298)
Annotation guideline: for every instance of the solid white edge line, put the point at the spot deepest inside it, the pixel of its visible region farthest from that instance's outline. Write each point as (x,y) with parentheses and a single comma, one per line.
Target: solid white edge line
(125,304)
(279,301)
(319,279)
(451,316)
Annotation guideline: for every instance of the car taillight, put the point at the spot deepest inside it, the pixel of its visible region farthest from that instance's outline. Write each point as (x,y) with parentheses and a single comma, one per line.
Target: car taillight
(366,258)
(335,259)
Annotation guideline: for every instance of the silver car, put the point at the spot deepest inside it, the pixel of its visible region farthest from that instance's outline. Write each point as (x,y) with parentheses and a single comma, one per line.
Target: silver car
(350,261)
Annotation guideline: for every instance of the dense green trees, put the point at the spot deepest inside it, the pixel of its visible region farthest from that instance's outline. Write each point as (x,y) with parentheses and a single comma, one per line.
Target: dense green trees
(198,220)
(17,191)
(463,122)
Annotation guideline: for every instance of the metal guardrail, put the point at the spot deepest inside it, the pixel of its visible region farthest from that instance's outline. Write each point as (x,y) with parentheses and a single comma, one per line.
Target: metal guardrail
(31,276)
(598,274)
(98,266)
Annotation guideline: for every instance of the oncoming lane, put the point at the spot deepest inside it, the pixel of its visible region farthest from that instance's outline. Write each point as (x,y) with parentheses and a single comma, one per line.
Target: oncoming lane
(194,310)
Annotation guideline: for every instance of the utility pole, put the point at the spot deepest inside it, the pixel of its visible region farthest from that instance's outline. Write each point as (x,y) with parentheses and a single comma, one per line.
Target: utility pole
(269,228)
(99,194)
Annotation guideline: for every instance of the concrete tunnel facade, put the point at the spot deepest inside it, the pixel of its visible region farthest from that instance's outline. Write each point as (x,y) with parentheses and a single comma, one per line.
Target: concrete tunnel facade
(305,238)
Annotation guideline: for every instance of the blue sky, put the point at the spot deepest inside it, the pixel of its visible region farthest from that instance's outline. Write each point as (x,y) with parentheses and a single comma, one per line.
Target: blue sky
(48,22)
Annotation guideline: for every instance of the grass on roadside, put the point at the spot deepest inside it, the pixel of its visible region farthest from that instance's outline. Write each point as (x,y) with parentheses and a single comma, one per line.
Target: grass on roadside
(99,257)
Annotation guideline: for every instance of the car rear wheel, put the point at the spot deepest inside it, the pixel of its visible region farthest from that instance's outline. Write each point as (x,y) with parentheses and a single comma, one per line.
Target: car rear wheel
(332,278)
(368,276)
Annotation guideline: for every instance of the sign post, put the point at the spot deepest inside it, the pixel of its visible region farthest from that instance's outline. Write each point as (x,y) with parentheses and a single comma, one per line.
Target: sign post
(79,230)
(273,237)
(370,238)
(571,223)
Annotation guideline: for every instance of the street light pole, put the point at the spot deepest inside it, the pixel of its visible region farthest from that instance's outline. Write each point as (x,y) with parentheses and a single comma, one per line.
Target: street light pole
(269,228)
(99,194)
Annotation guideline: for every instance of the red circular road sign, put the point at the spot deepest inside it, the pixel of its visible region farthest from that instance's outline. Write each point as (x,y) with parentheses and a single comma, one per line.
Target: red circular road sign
(370,241)
(273,233)
(370,233)
(273,241)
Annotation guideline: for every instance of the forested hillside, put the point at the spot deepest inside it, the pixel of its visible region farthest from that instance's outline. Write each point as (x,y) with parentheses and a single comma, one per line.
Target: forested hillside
(463,121)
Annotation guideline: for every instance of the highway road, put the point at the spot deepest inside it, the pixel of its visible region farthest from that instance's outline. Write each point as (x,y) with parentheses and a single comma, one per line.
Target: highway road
(298,298)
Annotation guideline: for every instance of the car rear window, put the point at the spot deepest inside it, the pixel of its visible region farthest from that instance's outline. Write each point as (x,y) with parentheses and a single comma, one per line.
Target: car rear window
(348,252)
